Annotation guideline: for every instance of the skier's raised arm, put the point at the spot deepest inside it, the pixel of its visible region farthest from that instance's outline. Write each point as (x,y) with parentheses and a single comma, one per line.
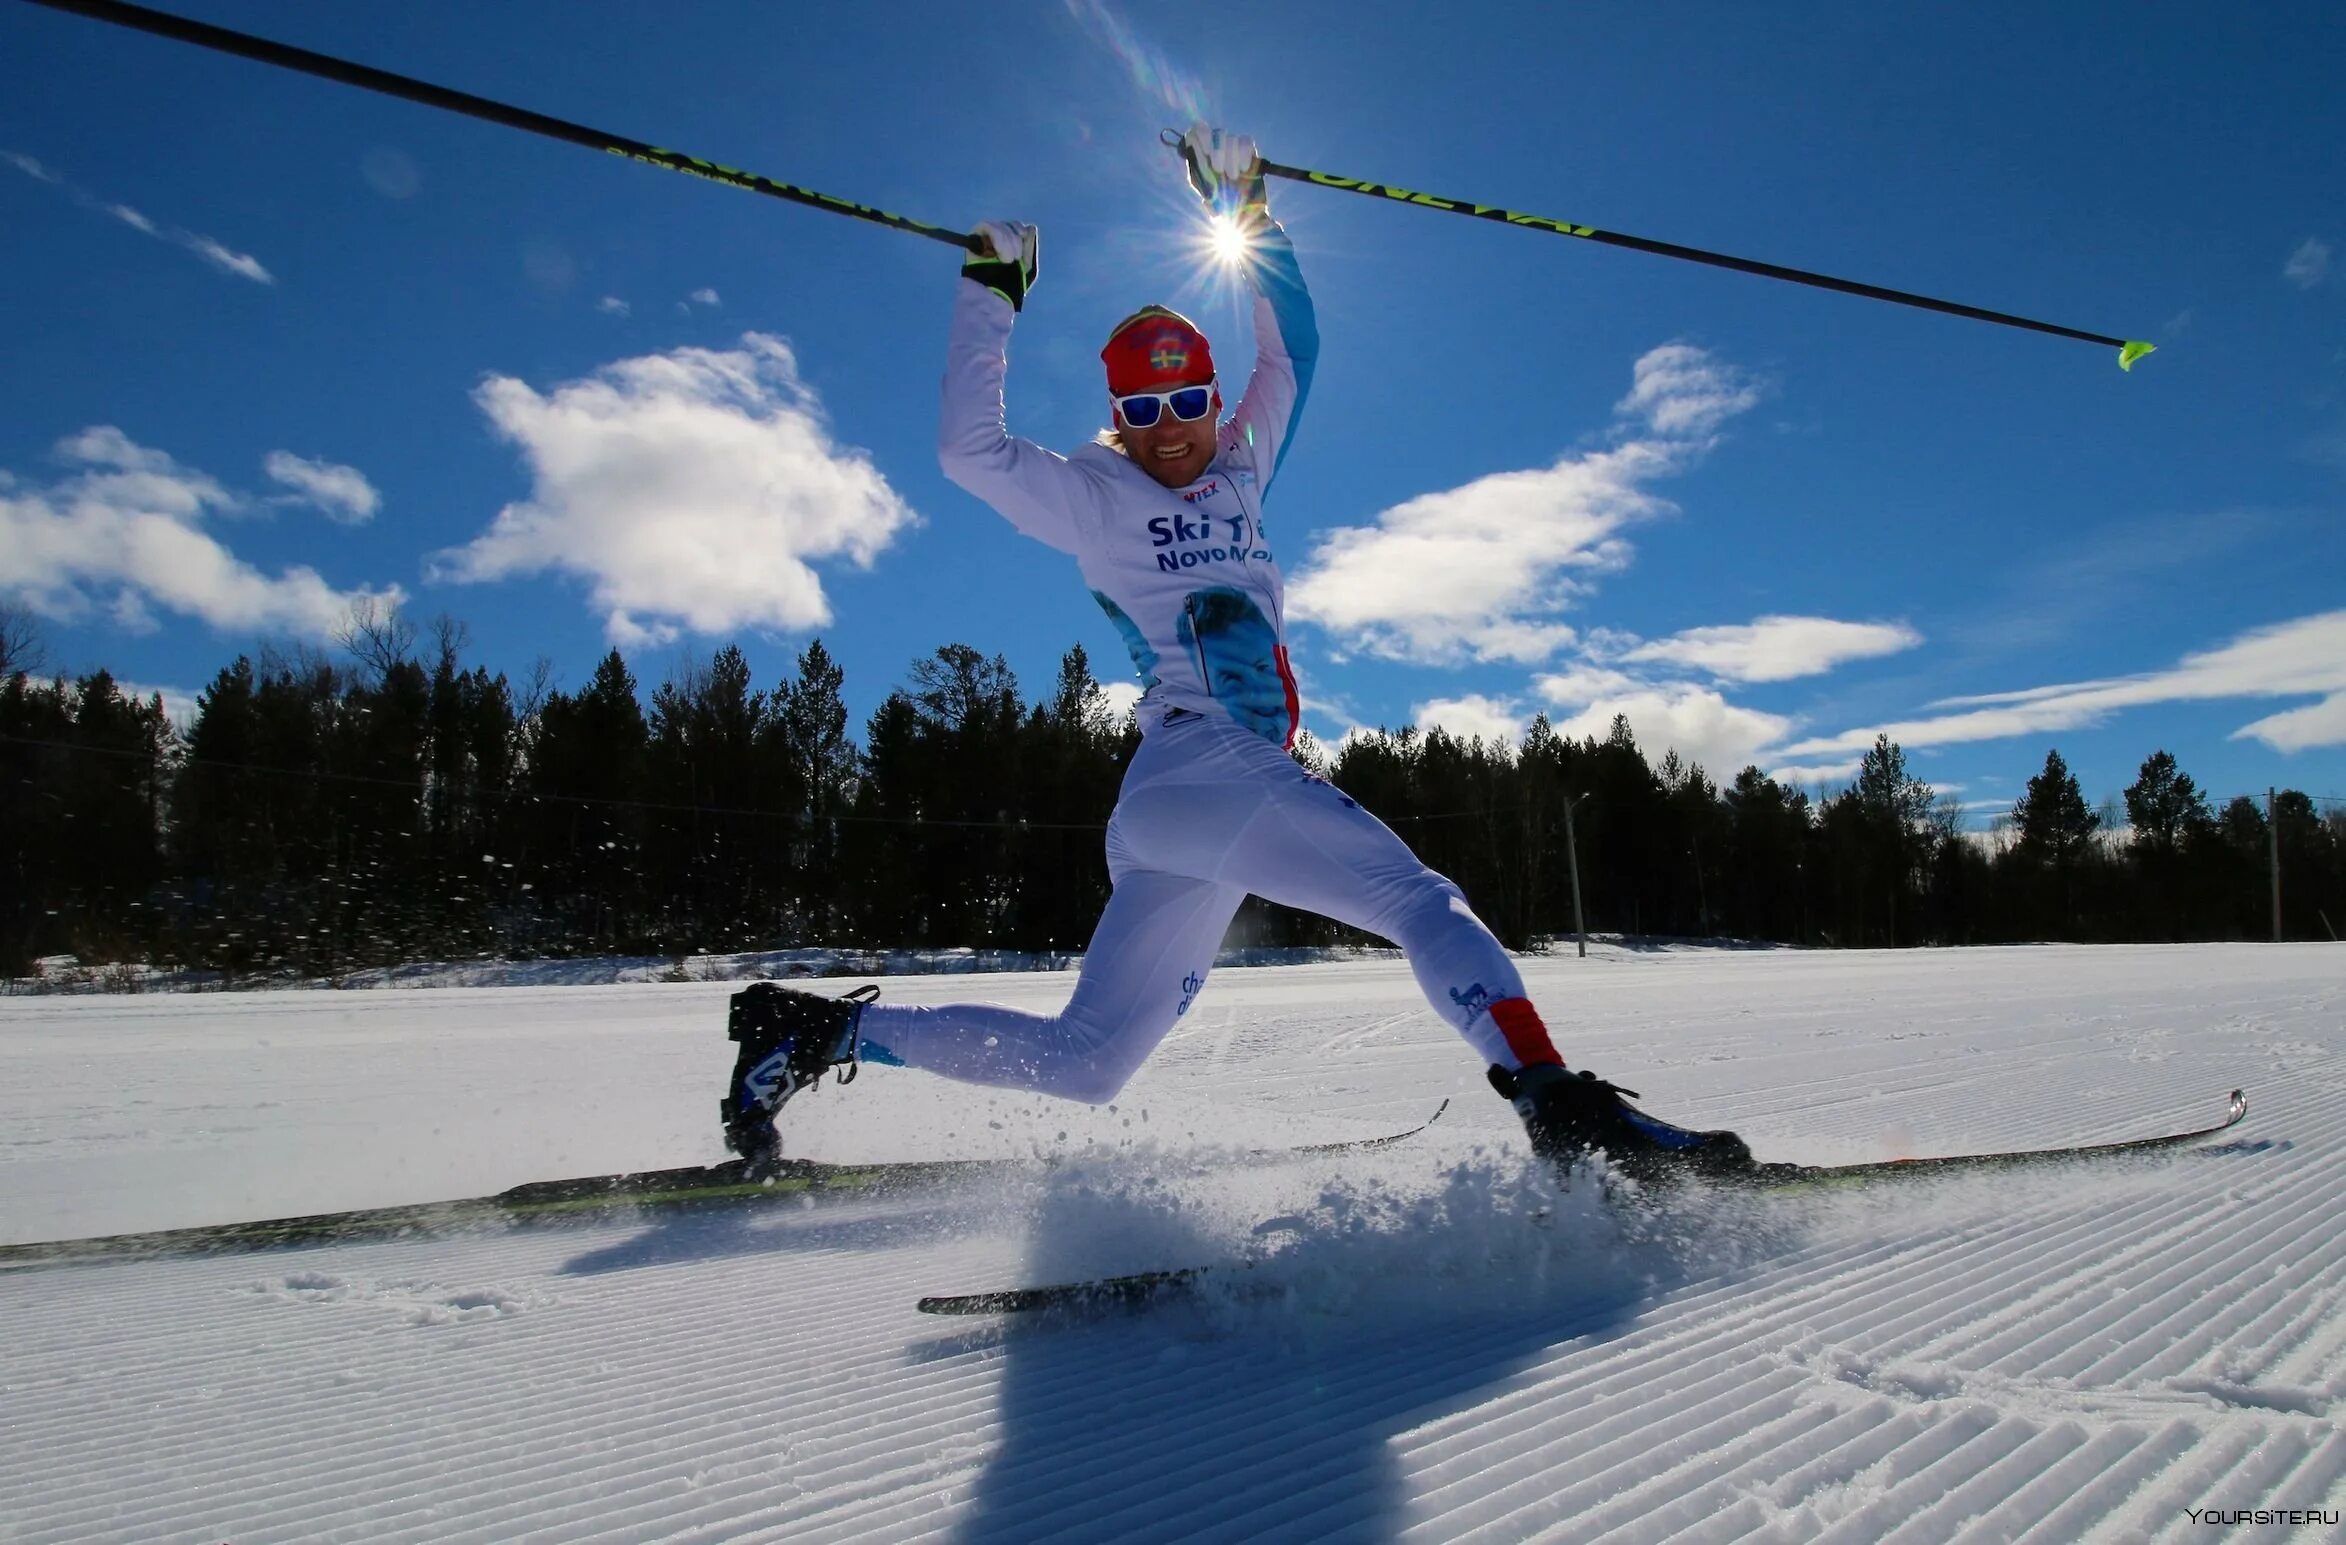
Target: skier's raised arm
(1032,487)
(1226,172)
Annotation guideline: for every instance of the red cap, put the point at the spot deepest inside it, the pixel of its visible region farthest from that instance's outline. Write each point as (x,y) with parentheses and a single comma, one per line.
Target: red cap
(1155,349)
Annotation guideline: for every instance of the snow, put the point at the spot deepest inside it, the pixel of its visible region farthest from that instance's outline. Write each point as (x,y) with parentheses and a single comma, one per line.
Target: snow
(1437,1344)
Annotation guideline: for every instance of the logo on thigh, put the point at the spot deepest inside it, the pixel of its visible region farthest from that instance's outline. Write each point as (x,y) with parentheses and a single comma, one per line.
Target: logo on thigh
(1189,986)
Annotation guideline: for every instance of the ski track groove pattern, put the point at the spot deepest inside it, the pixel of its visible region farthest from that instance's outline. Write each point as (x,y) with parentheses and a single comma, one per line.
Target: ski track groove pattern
(2023,1359)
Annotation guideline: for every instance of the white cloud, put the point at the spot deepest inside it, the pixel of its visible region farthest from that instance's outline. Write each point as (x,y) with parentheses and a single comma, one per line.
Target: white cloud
(1776,648)
(1483,571)
(2309,265)
(1820,772)
(1479,571)
(237,263)
(1473,716)
(2316,724)
(704,296)
(1679,390)
(1579,685)
(179,703)
(612,306)
(123,535)
(240,264)
(1704,728)
(693,490)
(2305,656)
(1120,696)
(342,492)
(103,445)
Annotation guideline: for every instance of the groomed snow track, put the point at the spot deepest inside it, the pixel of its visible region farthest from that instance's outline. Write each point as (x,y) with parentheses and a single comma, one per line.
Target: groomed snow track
(2104,1356)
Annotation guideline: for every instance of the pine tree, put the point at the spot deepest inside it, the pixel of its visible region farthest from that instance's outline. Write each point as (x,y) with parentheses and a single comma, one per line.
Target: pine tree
(2164,806)
(83,771)
(2054,821)
(35,721)
(2174,830)
(1526,841)
(969,723)
(219,831)
(2055,828)
(1888,823)
(1627,870)
(586,764)
(2310,868)
(713,759)
(810,720)
(1072,760)
(1767,828)
(886,872)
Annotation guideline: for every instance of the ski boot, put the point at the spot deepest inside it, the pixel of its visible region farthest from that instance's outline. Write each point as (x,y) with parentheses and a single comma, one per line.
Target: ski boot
(1574,1115)
(789,1039)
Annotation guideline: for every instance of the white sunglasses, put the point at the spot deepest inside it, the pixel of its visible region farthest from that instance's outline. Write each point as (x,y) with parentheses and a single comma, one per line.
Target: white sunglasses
(1139,410)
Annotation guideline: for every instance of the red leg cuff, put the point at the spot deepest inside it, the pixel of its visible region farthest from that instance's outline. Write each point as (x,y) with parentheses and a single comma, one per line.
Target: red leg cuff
(1526,1037)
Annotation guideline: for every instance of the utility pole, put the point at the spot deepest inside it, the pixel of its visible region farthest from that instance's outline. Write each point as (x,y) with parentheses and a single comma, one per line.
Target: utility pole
(2273,853)
(1572,858)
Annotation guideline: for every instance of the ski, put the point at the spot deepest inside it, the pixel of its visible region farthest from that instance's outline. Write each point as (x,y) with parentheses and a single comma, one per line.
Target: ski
(731,1183)
(1792,1177)
(1141,1289)
(1353,1145)
(1096,1293)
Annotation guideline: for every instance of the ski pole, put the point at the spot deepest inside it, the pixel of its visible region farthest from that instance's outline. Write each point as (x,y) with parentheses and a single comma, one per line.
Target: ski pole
(2129,350)
(284,55)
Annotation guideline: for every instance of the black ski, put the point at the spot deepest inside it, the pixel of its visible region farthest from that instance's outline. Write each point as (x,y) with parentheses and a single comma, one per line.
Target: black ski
(731,1183)
(1802,1177)
(1134,1291)
(1149,1287)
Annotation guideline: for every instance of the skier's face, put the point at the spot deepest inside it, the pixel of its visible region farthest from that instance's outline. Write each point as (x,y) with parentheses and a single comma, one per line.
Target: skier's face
(1175,453)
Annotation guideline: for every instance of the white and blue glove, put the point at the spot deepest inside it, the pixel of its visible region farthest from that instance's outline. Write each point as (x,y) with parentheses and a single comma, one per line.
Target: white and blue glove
(1226,172)
(1010,261)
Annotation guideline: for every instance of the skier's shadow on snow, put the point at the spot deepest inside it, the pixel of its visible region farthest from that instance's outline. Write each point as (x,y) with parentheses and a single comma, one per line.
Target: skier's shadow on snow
(1264,1408)
(754,1227)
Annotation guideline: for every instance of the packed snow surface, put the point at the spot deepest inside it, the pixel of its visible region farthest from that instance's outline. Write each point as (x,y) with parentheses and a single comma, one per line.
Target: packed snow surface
(1436,1344)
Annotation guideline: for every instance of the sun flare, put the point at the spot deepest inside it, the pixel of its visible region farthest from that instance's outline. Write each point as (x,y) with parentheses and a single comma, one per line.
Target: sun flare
(1228,240)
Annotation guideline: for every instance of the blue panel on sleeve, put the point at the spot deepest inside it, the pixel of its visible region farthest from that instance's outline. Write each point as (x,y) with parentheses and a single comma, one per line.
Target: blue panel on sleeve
(1280,279)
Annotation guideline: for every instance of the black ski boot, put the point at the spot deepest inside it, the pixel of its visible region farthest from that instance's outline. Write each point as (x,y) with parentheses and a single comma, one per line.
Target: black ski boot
(789,1040)
(1574,1115)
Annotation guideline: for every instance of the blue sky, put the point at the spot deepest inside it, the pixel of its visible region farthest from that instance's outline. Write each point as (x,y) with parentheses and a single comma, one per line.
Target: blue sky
(274,345)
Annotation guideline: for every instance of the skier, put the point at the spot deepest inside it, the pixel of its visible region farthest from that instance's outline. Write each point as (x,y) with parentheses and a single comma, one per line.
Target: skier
(1163,515)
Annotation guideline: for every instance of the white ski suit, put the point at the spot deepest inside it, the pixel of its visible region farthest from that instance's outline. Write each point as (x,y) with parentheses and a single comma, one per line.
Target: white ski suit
(1212,807)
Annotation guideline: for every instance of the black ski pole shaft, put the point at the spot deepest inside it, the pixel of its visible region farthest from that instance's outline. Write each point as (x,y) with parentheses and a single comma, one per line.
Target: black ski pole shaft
(286,56)
(2129,350)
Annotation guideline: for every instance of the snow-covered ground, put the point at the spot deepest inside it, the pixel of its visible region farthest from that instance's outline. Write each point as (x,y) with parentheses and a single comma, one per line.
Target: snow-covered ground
(2104,1356)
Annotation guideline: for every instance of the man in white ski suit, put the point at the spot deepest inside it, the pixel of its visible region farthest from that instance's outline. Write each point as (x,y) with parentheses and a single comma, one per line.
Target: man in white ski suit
(1164,518)
(1212,808)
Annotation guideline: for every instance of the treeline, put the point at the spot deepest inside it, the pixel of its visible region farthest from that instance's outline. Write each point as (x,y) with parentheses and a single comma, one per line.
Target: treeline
(320,815)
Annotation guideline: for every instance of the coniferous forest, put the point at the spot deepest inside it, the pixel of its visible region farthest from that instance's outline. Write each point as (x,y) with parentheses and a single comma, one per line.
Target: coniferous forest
(391,803)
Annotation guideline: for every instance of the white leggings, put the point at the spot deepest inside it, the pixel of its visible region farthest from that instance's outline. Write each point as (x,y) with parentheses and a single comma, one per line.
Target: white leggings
(1209,813)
